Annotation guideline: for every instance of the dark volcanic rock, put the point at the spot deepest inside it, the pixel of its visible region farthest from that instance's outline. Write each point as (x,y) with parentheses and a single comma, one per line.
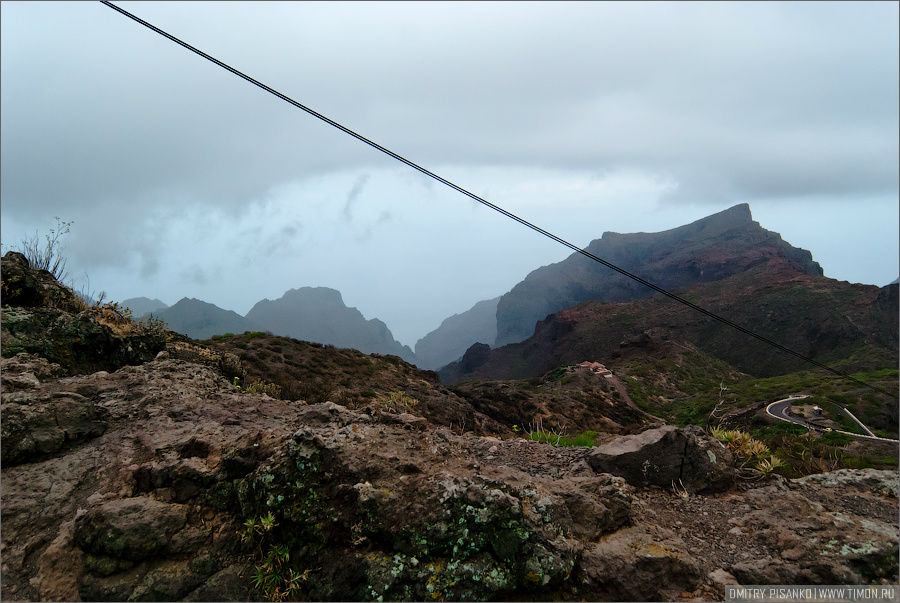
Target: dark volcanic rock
(27,287)
(130,528)
(44,318)
(35,427)
(665,456)
(637,564)
(819,544)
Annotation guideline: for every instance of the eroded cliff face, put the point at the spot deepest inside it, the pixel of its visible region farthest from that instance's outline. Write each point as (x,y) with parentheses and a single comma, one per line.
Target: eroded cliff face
(162,481)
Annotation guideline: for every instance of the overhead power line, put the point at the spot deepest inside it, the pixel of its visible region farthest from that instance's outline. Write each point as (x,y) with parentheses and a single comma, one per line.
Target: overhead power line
(487,203)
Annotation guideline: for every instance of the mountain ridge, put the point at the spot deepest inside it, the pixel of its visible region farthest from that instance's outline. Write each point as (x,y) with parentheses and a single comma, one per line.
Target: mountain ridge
(319,314)
(316,314)
(708,249)
(456,333)
(819,317)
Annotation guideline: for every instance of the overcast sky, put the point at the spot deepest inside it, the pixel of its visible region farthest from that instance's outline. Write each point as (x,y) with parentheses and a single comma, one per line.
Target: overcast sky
(183,180)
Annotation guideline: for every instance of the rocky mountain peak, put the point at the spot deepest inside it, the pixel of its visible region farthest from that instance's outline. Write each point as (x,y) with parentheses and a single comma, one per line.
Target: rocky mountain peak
(710,249)
(315,295)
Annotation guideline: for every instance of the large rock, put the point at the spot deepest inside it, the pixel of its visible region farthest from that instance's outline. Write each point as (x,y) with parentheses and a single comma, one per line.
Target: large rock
(640,563)
(667,456)
(131,528)
(432,525)
(35,427)
(42,317)
(28,287)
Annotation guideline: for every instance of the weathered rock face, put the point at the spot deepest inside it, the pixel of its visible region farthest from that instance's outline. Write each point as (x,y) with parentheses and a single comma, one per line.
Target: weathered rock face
(820,532)
(388,505)
(423,515)
(26,287)
(665,456)
(44,318)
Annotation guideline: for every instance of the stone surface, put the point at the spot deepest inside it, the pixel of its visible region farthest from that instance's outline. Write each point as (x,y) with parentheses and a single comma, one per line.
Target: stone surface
(130,528)
(667,456)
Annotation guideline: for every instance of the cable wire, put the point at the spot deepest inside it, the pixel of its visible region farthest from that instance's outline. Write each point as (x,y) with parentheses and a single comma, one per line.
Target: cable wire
(487,203)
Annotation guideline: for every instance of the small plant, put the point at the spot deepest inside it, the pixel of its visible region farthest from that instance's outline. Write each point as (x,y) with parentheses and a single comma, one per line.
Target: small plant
(264,387)
(47,255)
(397,402)
(258,386)
(272,576)
(585,438)
(680,490)
(749,452)
(767,466)
(154,325)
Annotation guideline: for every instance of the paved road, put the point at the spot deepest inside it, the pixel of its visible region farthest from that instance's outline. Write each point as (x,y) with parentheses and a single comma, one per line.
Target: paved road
(780,409)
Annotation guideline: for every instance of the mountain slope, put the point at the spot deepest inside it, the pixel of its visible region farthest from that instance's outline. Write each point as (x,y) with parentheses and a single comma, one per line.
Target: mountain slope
(450,340)
(710,249)
(819,317)
(319,314)
(143,305)
(199,319)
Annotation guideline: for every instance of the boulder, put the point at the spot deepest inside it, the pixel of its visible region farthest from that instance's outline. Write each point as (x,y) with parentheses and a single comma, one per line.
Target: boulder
(639,563)
(35,427)
(131,528)
(666,456)
(28,287)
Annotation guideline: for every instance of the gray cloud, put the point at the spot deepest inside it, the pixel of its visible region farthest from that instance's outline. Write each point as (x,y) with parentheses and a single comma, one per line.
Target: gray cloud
(195,274)
(776,100)
(357,188)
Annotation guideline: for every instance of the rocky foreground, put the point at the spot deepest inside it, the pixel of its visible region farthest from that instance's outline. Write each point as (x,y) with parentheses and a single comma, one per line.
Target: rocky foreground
(155,478)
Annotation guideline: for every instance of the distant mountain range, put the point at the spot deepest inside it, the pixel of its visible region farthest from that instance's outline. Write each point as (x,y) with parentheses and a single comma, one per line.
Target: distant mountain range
(316,314)
(727,260)
(833,322)
(578,309)
(202,320)
(708,250)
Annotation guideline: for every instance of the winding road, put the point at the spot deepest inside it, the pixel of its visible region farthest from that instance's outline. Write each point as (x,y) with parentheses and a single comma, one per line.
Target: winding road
(780,409)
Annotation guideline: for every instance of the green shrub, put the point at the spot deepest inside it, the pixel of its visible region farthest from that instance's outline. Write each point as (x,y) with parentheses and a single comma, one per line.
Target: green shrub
(833,438)
(272,576)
